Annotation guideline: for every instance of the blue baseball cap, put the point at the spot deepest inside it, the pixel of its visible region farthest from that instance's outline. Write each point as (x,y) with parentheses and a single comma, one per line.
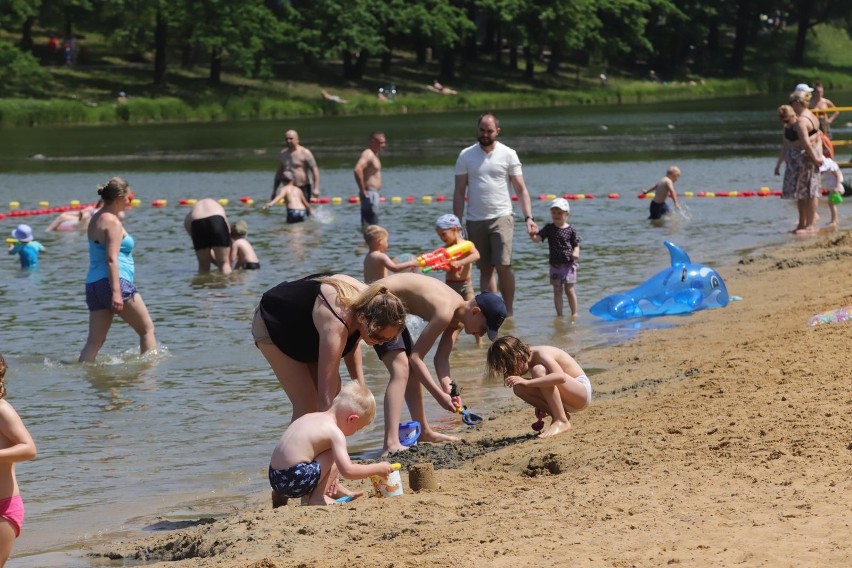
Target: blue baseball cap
(494,309)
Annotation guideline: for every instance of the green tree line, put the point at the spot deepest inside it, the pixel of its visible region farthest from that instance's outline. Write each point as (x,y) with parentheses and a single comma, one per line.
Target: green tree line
(251,36)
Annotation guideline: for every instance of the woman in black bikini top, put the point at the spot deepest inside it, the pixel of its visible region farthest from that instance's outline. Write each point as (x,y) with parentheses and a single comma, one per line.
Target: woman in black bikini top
(304,327)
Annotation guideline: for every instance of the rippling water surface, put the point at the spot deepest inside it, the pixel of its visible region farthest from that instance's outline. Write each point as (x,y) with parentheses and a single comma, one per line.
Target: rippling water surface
(129,441)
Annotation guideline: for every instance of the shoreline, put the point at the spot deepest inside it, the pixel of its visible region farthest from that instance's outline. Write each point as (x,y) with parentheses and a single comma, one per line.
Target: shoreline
(697,449)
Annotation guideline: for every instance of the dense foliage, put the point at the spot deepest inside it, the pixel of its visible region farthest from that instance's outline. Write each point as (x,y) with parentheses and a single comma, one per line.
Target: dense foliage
(251,36)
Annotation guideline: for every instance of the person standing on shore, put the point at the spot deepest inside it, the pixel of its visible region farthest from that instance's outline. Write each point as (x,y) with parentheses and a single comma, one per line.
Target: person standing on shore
(298,160)
(484,172)
(368,176)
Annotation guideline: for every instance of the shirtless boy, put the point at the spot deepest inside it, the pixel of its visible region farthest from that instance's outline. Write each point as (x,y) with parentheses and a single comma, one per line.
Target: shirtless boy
(208,226)
(368,176)
(313,449)
(377,262)
(663,189)
(300,161)
(298,208)
(446,315)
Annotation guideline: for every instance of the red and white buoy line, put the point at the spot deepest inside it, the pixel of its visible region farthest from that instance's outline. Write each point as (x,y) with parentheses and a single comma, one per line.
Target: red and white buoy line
(45,209)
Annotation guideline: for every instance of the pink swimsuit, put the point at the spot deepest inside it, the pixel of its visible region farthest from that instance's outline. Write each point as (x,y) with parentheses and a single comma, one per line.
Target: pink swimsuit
(12,511)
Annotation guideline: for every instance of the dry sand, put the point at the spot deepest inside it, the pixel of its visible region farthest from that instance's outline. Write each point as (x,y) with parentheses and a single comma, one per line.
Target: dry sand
(725,441)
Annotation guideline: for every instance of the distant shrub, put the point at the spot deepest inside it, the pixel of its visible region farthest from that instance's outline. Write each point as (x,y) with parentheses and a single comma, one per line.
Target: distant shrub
(22,75)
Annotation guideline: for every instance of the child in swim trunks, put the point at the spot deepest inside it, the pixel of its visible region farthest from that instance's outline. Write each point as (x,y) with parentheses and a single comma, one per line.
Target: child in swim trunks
(558,385)
(377,262)
(663,189)
(458,278)
(16,445)
(242,253)
(312,451)
(564,253)
(832,180)
(298,208)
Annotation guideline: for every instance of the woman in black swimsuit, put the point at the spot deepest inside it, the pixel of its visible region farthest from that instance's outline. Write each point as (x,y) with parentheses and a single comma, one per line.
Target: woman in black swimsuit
(801,151)
(304,327)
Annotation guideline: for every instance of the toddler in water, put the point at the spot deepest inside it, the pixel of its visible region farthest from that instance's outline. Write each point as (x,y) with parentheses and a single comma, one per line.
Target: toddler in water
(298,208)
(564,252)
(312,450)
(242,254)
(663,189)
(558,385)
(23,245)
(377,262)
(16,445)
(832,180)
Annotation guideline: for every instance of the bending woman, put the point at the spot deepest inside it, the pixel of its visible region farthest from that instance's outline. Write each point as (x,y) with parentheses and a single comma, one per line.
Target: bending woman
(303,328)
(109,282)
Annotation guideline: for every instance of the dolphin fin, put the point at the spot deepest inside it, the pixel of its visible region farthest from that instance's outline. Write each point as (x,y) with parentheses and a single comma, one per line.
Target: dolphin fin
(679,256)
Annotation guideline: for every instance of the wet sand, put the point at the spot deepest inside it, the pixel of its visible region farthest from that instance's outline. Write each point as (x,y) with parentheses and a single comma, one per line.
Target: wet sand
(724,441)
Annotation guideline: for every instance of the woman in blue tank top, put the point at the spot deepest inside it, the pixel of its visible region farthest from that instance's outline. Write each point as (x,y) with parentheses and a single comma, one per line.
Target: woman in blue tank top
(109,282)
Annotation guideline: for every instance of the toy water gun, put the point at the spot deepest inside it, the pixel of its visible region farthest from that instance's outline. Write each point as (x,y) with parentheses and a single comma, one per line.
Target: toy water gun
(440,259)
(11,241)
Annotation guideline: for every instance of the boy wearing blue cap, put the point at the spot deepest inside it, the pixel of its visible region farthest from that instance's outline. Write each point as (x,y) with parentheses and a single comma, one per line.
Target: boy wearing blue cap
(446,314)
(564,246)
(22,244)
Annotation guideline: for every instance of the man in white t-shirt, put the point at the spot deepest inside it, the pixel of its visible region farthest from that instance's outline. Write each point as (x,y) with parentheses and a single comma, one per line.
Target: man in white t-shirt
(484,172)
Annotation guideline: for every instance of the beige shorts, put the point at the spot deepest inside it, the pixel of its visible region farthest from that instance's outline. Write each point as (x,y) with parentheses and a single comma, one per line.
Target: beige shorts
(493,239)
(463,287)
(258,329)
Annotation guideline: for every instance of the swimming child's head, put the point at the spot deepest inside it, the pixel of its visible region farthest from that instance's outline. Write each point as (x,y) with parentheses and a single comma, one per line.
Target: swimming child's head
(373,234)
(449,228)
(23,233)
(357,405)
(507,356)
(114,188)
(3,368)
(239,230)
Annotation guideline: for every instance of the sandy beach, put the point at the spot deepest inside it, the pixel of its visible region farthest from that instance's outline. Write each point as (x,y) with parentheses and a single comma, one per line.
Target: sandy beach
(723,441)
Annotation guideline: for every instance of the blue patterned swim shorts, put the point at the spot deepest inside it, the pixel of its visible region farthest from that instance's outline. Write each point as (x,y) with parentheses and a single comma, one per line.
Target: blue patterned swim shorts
(296,481)
(99,293)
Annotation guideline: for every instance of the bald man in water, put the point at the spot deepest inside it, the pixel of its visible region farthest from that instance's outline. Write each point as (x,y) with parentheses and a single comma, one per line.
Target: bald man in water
(298,160)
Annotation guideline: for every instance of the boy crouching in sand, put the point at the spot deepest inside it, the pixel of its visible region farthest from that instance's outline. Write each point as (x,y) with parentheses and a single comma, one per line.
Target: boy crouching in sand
(313,449)
(558,385)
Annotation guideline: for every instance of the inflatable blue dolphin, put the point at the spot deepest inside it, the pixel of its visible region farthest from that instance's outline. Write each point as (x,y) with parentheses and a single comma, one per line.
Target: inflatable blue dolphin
(682,288)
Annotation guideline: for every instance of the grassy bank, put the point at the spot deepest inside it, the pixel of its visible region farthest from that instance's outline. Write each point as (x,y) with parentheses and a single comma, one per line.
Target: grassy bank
(86,94)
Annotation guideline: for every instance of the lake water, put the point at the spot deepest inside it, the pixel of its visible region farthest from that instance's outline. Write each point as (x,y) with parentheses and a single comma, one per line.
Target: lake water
(130,441)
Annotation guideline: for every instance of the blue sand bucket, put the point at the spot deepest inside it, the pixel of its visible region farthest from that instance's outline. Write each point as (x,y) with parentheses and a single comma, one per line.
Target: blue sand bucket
(409,432)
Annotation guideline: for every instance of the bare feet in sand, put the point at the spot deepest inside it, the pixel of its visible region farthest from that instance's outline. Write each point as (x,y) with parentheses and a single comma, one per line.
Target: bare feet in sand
(437,437)
(344,492)
(556,427)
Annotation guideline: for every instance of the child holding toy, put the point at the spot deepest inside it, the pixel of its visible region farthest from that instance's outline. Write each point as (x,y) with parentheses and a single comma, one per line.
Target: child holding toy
(564,253)
(557,387)
(16,445)
(832,180)
(242,255)
(23,245)
(377,262)
(312,450)
(458,276)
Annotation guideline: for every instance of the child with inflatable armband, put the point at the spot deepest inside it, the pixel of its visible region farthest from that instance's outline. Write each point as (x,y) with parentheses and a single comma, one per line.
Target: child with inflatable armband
(312,451)
(377,262)
(23,245)
(242,255)
(832,180)
(557,387)
(564,244)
